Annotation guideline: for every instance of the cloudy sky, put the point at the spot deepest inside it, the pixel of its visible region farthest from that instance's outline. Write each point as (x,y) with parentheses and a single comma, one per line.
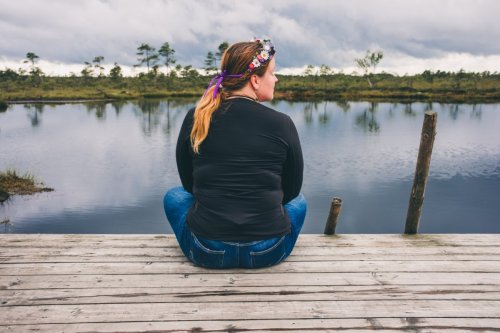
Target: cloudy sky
(414,34)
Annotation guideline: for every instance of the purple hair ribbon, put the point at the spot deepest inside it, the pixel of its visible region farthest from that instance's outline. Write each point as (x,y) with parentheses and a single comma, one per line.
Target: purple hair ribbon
(219,77)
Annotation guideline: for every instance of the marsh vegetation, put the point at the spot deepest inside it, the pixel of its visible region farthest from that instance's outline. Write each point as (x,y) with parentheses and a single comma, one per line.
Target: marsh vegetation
(162,76)
(428,86)
(11,183)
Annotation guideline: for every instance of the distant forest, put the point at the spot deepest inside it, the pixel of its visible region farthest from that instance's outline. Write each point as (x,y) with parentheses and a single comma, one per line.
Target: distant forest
(161,76)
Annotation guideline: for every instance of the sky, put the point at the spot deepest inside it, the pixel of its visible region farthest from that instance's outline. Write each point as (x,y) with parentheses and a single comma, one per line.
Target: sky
(415,35)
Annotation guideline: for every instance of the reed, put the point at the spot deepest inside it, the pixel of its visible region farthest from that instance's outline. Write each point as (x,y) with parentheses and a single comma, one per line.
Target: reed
(13,182)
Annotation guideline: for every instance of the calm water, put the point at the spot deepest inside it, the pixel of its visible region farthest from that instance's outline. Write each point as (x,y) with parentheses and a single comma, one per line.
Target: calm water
(111,163)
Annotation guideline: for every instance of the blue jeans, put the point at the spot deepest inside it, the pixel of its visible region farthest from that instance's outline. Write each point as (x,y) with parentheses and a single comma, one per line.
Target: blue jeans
(221,254)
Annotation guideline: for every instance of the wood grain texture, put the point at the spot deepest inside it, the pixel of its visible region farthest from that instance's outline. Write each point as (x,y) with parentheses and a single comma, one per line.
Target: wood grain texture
(134,283)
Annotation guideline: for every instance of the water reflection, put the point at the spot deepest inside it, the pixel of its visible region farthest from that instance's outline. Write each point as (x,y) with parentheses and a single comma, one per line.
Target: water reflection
(35,113)
(97,108)
(309,109)
(118,106)
(367,119)
(150,114)
(476,111)
(110,174)
(408,110)
(455,110)
(7,226)
(343,105)
(322,110)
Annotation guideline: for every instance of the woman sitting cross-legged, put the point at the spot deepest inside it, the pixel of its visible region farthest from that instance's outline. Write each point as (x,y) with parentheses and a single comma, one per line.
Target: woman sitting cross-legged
(241,167)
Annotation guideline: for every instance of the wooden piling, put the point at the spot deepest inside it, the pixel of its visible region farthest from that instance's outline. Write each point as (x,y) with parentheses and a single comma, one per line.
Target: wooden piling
(331,221)
(421,172)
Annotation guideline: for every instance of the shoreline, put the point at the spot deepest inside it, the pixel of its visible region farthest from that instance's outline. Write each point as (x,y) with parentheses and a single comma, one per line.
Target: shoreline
(426,87)
(287,96)
(286,91)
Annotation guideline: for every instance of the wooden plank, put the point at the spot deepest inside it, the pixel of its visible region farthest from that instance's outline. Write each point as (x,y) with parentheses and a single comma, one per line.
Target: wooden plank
(228,278)
(338,252)
(327,260)
(410,324)
(386,240)
(245,294)
(123,255)
(109,254)
(15,315)
(345,266)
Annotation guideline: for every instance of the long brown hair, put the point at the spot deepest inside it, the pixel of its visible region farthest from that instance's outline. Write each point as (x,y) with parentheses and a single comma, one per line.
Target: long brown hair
(234,61)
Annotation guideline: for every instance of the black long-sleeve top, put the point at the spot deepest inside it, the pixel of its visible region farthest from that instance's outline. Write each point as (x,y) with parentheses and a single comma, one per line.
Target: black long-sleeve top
(249,165)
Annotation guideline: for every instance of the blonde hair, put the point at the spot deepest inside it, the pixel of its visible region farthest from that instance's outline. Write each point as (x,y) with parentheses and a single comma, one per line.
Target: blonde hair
(234,61)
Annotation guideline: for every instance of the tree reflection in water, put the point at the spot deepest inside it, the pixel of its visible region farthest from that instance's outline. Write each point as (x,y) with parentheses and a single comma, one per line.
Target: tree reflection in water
(323,118)
(118,106)
(454,110)
(367,121)
(163,114)
(343,105)
(98,107)
(309,108)
(35,111)
(408,110)
(149,110)
(476,111)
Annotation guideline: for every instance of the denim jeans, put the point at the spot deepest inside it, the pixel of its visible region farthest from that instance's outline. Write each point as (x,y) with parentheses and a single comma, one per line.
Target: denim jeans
(221,254)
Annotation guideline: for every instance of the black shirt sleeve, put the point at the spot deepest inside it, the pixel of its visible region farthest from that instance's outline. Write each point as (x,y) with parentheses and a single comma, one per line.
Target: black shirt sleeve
(183,153)
(293,168)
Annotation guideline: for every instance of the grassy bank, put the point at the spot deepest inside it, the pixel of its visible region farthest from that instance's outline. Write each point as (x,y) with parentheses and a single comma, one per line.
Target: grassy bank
(440,87)
(13,183)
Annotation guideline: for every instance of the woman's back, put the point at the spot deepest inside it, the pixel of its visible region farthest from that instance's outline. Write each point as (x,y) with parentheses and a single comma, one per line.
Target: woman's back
(248,166)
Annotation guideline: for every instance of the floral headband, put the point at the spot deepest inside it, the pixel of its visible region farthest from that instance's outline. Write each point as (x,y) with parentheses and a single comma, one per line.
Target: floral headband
(265,54)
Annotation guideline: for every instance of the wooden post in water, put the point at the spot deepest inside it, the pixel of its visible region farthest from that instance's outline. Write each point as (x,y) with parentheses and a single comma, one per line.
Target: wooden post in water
(331,221)
(421,172)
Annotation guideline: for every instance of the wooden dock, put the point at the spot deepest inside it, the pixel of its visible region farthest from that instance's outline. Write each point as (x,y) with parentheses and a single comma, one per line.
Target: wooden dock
(132,283)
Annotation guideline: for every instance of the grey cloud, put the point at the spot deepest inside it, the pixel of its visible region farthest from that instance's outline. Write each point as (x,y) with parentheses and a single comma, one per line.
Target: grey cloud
(312,31)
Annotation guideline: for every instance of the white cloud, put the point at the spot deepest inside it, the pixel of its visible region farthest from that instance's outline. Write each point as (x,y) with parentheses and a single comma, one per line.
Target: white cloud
(414,34)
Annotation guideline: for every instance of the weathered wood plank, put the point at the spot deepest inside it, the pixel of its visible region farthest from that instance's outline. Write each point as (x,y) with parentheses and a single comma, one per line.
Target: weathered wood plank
(386,240)
(337,252)
(257,311)
(225,278)
(327,260)
(246,294)
(411,324)
(353,266)
(242,311)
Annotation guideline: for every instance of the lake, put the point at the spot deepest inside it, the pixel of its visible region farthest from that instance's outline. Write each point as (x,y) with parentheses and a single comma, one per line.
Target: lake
(110,164)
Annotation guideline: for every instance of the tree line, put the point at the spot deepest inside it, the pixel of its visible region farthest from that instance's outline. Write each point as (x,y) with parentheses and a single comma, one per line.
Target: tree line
(147,55)
(154,58)
(163,77)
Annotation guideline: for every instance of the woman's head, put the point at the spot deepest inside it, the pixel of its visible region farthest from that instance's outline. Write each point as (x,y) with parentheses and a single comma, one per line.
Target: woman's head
(247,68)
(245,59)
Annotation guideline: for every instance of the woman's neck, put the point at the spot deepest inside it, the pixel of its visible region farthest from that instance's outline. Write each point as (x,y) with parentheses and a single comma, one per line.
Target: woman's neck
(245,92)
(243,96)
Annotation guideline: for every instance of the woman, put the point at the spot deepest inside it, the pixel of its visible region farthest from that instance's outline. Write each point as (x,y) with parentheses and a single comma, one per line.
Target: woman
(240,164)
